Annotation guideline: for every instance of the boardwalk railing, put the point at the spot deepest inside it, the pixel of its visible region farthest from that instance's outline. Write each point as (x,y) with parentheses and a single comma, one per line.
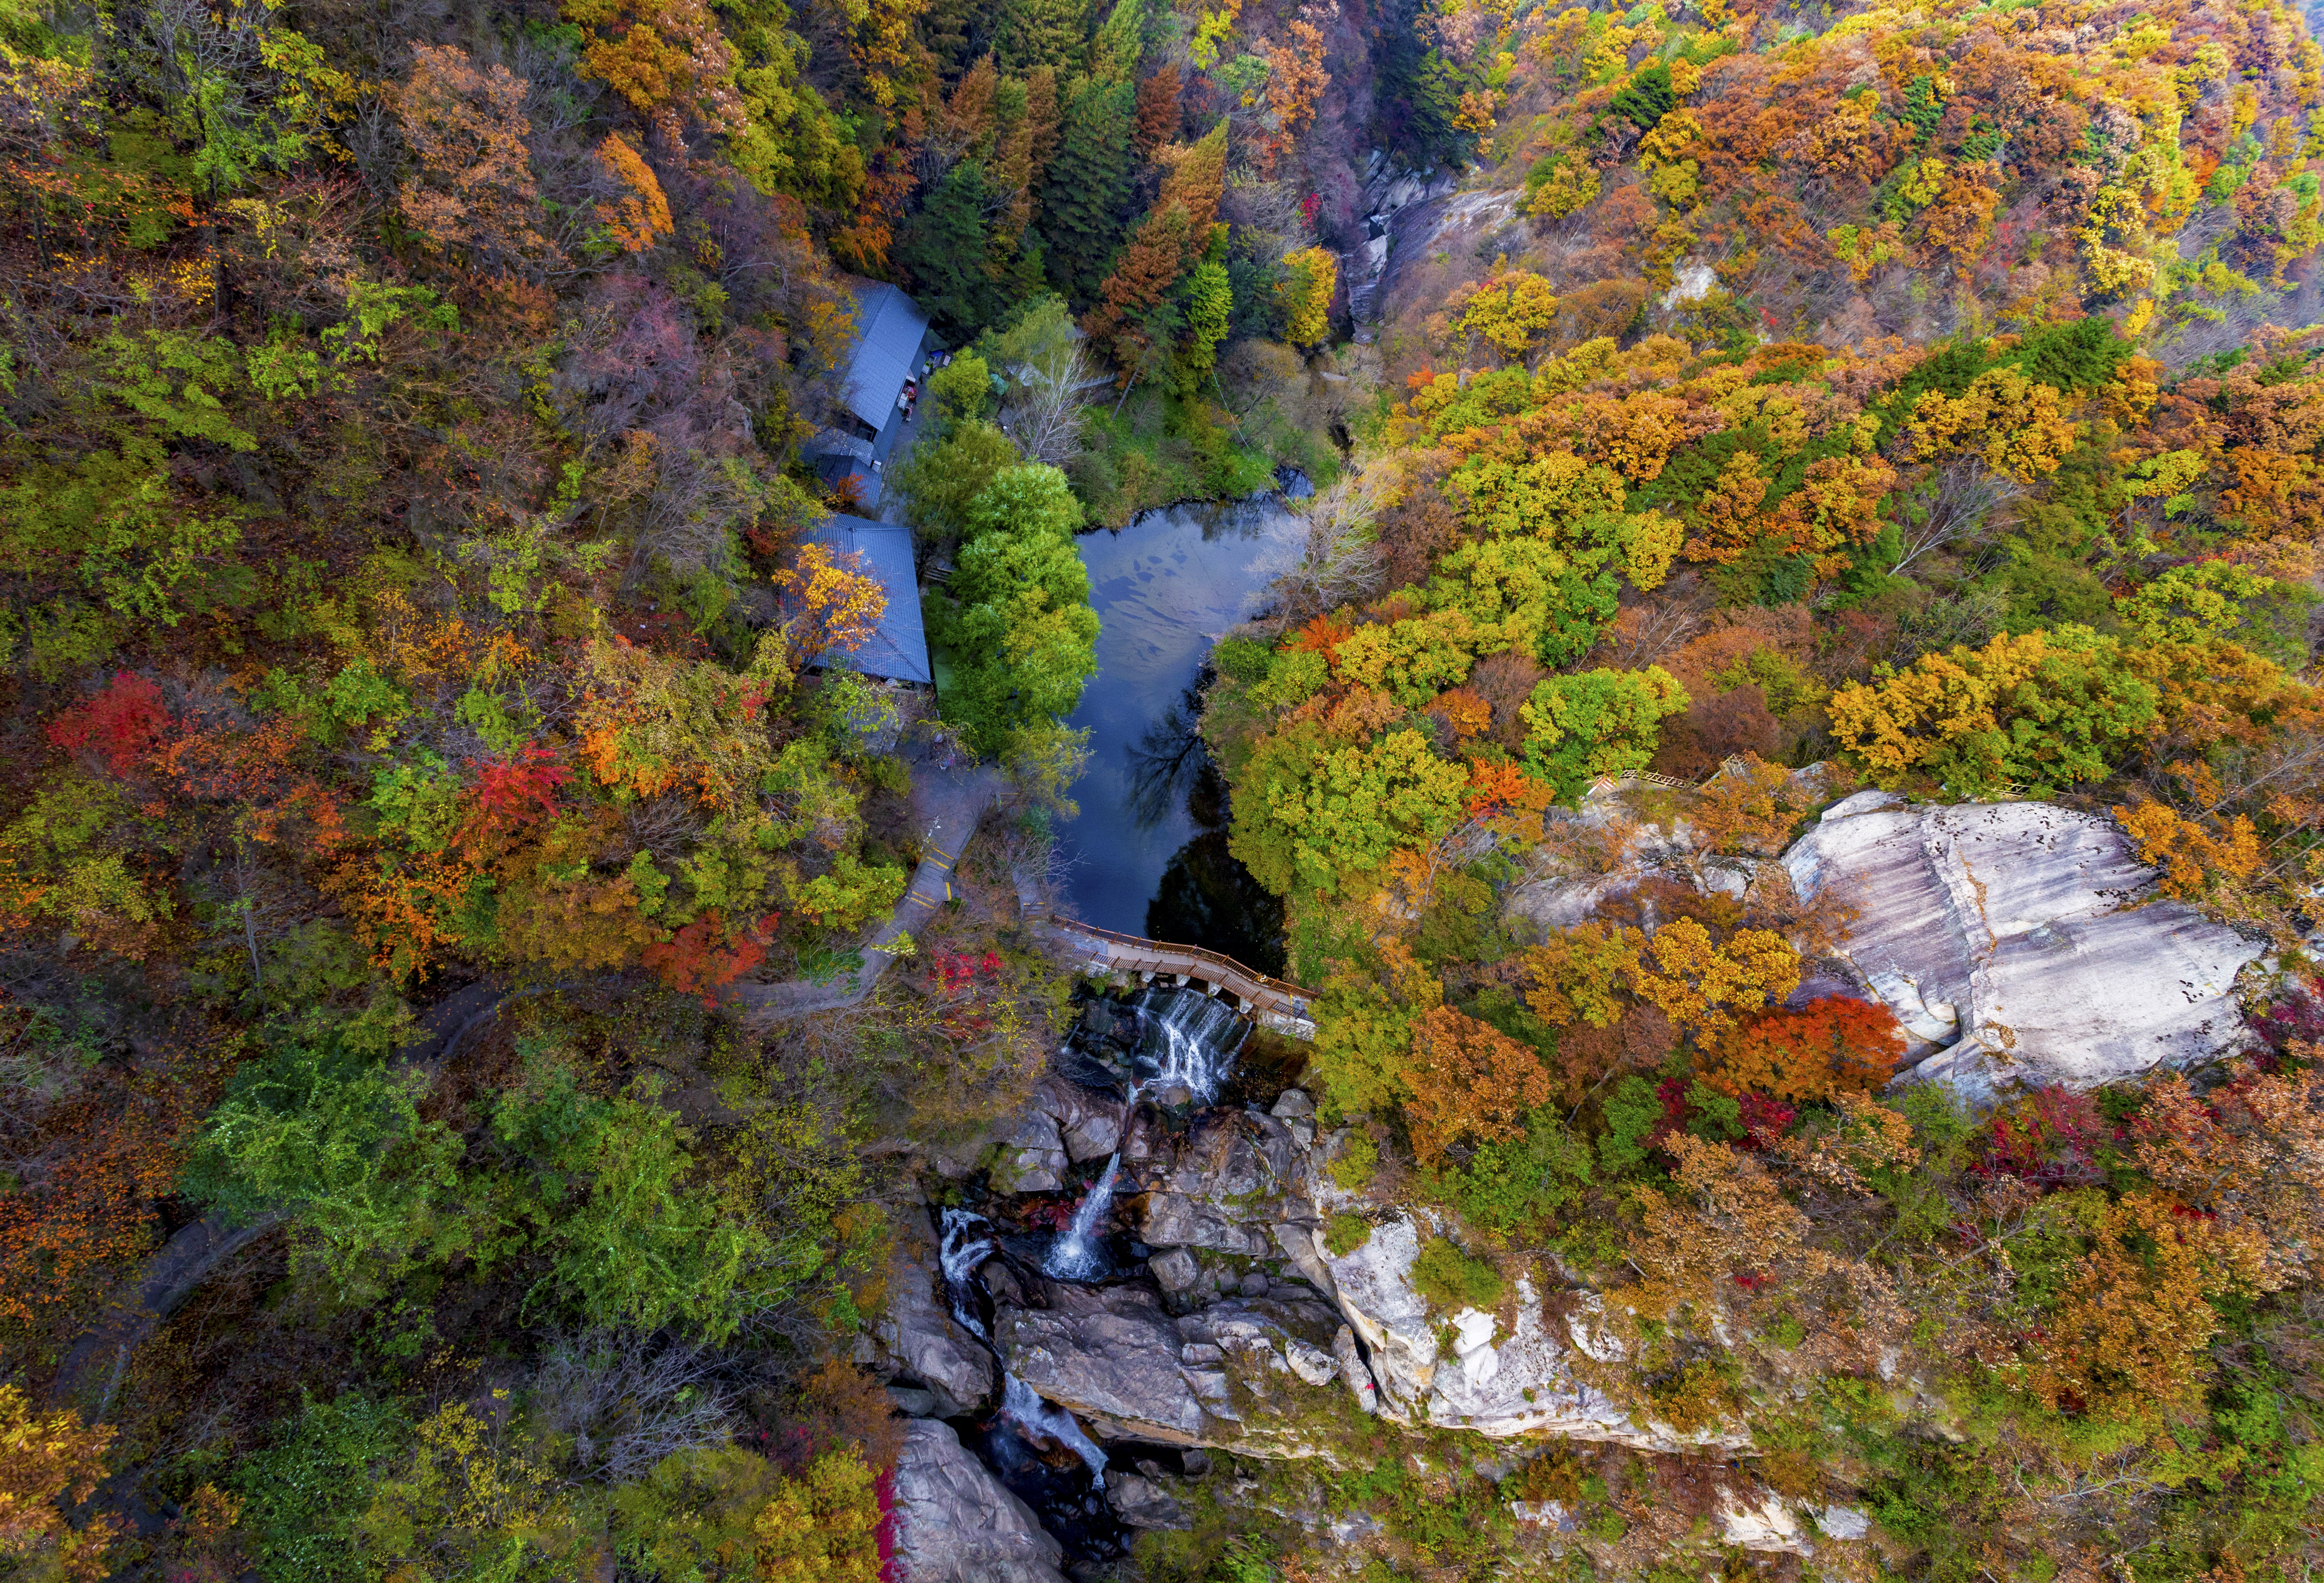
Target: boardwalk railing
(1276,1004)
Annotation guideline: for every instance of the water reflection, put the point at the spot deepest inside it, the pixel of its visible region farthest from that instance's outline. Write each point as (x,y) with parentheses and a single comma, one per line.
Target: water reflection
(1149,844)
(1206,897)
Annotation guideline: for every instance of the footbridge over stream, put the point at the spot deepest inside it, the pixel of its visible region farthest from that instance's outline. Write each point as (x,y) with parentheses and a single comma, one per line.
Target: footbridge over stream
(1286,1008)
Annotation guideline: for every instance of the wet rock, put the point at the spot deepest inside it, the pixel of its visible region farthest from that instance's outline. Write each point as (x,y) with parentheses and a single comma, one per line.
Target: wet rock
(1089,1125)
(2011,925)
(927,1347)
(955,1523)
(1141,1503)
(1032,1156)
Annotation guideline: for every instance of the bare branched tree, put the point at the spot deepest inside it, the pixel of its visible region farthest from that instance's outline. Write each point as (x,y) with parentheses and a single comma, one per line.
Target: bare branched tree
(1329,551)
(1952,503)
(1043,411)
(629,1401)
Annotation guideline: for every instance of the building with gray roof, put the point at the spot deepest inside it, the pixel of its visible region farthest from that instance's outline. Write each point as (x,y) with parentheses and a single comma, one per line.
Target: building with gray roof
(898,649)
(891,349)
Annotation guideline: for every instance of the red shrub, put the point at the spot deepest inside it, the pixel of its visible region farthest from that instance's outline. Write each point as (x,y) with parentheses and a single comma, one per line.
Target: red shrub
(121,726)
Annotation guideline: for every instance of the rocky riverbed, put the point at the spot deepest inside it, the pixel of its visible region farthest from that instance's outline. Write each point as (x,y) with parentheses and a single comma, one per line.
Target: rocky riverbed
(2014,941)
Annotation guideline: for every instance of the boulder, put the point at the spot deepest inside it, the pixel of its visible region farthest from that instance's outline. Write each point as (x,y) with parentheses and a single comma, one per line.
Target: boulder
(1089,1124)
(1173,1219)
(1758,1520)
(1310,1362)
(923,1341)
(1141,1503)
(955,1523)
(1842,1522)
(1108,1357)
(2007,934)
(1114,1358)
(1175,1270)
(1032,1156)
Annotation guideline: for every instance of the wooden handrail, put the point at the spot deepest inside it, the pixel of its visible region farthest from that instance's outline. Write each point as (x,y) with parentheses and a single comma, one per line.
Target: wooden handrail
(1164,950)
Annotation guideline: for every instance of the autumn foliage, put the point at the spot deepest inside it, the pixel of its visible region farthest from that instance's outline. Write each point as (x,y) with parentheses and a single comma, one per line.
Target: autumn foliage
(1469,1082)
(1826,1047)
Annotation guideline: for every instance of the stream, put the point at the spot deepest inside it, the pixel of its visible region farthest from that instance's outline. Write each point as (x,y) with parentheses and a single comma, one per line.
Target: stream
(1180,1056)
(1148,849)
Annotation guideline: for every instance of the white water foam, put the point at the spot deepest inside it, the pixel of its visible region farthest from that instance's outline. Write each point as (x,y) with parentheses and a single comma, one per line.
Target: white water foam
(1024,1406)
(1188,1045)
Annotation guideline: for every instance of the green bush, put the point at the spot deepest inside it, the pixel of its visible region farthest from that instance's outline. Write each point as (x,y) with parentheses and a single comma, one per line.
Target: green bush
(1449,1279)
(306,1495)
(1345,1234)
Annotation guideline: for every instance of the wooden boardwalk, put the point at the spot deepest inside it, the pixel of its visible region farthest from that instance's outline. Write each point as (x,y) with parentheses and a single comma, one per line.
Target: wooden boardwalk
(1271,1003)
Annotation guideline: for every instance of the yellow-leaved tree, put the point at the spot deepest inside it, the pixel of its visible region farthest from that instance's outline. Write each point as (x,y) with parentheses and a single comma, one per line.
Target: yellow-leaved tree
(1306,294)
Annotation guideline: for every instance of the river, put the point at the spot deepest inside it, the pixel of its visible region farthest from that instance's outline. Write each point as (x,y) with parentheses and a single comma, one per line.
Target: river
(1147,850)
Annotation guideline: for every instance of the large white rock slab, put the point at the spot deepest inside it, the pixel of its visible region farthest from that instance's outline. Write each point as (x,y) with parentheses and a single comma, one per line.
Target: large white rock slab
(2018,928)
(1500,1380)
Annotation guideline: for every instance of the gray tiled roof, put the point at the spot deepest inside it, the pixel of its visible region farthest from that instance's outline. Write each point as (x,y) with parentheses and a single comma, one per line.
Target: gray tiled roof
(899,650)
(888,331)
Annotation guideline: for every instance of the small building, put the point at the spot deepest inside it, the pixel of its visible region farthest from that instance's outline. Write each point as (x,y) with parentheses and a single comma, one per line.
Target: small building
(891,351)
(897,652)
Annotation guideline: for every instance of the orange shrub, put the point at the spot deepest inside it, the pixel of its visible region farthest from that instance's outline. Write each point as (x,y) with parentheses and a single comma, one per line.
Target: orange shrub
(1834,1045)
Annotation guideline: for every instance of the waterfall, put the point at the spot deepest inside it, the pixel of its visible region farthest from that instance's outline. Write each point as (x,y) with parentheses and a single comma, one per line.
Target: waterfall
(960,1252)
(963,1248)
(1024,1406)
(1071,1257)
(1191,1041)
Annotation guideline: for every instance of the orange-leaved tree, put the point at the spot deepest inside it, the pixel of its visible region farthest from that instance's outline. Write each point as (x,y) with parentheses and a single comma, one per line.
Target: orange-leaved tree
(1828,1047)
(473,200)
(2128,1339)
(829,602)
(639,214)
(1703,985)
(1469,1081)
(1166,244)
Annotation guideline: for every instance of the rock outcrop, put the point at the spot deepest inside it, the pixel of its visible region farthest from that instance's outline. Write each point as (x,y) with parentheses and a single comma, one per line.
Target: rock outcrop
(1508,1375)
(1114,1358)
(924,1346)
(2011,935)
(955,1523)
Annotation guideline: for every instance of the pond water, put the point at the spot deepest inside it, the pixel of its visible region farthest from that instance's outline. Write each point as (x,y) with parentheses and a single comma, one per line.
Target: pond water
(1148,849)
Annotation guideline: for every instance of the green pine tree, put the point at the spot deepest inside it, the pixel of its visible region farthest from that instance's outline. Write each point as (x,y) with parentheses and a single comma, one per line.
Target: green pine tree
(1087,189)
(1120,43)
(946,250)
(1043,32)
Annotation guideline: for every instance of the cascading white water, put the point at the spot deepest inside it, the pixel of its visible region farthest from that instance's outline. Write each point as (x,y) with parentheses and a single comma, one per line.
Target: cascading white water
(1072,1257)
(1185,1038)
(1025,1407)
(961,1250)
(1193,1040)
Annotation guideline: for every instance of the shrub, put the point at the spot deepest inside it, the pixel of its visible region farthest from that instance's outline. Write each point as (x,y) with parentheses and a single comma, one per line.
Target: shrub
(1449,1278)
(1345,1234)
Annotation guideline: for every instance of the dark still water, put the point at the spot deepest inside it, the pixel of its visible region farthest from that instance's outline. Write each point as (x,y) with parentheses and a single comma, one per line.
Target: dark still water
(1149,846)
